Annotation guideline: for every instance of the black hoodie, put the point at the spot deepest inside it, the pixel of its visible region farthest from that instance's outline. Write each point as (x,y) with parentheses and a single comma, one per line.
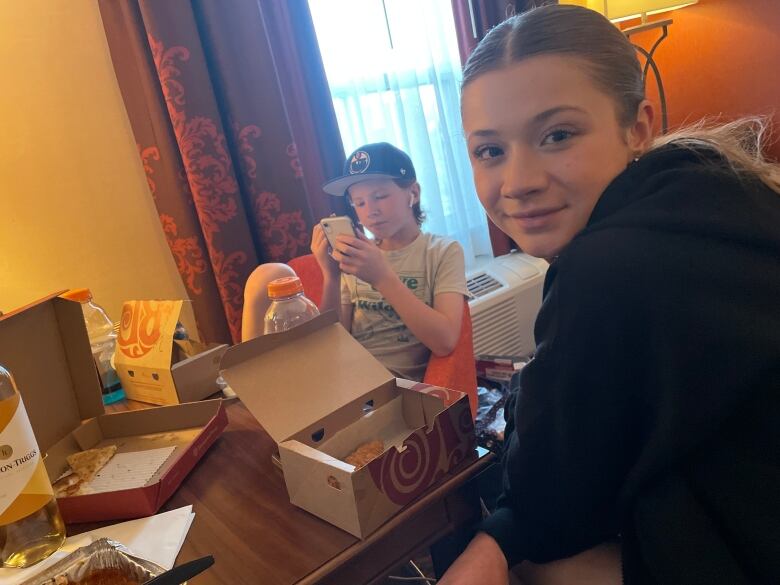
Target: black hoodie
(651,412)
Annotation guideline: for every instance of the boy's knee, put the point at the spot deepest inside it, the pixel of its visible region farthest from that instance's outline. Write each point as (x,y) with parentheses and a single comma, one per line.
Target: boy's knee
(256,299)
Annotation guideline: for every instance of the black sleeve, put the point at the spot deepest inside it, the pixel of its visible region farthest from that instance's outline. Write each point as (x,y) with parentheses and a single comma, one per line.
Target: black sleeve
(648,342)
(572,445)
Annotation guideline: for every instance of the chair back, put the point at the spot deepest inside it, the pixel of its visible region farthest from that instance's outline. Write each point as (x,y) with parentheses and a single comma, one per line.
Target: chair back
(457,370)
(309,272)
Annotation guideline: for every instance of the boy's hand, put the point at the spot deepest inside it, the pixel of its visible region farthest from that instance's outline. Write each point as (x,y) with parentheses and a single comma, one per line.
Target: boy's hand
(361,257)
(319,247)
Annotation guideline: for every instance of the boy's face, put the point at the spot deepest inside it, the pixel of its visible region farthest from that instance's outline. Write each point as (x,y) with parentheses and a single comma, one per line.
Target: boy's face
(383,207)
(544,143)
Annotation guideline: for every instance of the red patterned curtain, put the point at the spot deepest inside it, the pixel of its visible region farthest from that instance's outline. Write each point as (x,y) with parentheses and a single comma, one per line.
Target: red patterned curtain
(220,96)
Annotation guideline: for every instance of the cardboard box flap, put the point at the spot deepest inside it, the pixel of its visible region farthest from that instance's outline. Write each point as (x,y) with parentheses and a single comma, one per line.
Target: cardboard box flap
(46,347)
(291,380)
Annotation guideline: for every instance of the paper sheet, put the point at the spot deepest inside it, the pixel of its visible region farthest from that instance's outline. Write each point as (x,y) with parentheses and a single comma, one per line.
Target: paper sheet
(129,470)
(157,538)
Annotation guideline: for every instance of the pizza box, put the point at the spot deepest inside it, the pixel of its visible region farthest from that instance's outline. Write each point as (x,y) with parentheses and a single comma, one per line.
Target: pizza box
(499,368)
(320,395)
(153,366)
(46,348)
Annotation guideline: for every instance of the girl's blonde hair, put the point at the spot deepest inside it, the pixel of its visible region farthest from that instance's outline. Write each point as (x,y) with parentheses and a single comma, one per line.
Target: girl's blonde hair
(741,143)
(614,67)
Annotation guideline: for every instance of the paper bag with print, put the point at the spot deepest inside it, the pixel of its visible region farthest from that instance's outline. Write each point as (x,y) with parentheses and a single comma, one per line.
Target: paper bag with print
(143,354)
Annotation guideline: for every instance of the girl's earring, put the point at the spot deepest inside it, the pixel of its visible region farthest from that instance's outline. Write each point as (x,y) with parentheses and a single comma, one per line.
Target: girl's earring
(411,200)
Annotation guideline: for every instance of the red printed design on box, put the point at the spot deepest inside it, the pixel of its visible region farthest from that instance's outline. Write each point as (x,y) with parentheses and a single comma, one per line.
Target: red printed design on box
(427,456)
(142,325)
(449,397)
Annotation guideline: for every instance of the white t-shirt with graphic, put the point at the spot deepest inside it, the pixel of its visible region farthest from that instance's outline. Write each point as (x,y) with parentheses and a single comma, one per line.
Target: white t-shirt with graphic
(430,265)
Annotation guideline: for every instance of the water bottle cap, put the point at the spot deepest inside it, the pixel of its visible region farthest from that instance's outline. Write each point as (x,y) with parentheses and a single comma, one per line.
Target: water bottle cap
(81,295)
(284,287)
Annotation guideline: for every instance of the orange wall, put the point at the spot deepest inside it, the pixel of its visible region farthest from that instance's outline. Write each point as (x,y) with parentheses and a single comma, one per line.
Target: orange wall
(75,208)
(721,57)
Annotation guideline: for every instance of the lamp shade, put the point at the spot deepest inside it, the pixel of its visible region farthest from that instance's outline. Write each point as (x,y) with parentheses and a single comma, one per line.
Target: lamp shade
(616,10)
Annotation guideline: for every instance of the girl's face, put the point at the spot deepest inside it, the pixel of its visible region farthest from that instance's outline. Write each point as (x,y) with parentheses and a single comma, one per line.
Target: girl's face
(544,143)
(384,208)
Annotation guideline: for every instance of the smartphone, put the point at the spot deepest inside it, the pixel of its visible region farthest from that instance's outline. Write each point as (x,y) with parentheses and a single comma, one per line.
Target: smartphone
(334,226)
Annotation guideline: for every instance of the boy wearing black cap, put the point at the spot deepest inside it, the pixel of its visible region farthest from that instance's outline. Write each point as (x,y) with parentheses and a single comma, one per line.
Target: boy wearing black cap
(401,294)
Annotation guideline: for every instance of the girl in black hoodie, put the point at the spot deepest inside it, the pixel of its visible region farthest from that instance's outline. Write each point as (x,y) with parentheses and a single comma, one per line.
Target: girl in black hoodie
(644,445)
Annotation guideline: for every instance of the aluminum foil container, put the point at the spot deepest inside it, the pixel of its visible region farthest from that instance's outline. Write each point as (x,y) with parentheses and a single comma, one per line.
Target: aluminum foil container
(101,554)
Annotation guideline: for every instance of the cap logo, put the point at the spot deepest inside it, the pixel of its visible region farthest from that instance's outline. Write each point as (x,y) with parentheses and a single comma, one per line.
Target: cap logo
(359,162)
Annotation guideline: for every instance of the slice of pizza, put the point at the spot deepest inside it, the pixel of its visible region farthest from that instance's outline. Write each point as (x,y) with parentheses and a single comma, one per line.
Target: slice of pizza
(67,485)
(86,464)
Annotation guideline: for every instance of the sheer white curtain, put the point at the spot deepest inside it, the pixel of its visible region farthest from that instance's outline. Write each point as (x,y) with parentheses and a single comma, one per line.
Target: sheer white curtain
(394,75)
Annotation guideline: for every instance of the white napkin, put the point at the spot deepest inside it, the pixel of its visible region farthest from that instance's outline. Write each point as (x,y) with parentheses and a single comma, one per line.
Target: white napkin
(156,538)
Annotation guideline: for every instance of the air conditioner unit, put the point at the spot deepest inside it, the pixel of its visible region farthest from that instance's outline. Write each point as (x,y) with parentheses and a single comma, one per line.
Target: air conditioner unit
(506,296)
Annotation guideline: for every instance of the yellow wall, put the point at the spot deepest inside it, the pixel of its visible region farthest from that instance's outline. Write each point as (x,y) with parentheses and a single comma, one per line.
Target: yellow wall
(75,209)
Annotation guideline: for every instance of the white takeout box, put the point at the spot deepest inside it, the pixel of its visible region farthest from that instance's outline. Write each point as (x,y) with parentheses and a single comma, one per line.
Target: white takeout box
(320,394)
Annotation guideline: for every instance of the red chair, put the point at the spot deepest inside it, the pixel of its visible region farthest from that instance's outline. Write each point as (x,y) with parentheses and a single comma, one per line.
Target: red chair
(456,371)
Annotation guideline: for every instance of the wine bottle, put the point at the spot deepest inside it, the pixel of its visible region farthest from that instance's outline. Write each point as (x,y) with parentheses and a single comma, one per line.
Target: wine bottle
(31,527)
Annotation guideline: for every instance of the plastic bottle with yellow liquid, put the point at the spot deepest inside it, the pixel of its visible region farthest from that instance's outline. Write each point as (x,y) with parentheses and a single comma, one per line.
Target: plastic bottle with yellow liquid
(31,527)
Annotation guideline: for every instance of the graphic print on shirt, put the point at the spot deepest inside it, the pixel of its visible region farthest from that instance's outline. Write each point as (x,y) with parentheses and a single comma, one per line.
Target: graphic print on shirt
(379,318)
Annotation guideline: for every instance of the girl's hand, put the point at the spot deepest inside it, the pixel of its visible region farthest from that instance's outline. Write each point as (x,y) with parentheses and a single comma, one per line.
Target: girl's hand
(361,257)
(319,247)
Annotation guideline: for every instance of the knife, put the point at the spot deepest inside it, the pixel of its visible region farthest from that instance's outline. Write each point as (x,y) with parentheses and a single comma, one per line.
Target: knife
(182,573)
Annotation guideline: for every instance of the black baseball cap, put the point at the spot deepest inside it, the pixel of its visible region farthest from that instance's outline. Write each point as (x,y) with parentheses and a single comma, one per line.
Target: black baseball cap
(372,161)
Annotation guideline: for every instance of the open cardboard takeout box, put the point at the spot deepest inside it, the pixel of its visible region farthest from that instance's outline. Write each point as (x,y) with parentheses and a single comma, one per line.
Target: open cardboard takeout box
(320,394)
(46,348)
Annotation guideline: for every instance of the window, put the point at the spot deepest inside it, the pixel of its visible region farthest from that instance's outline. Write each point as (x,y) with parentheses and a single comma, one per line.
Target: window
(394,75)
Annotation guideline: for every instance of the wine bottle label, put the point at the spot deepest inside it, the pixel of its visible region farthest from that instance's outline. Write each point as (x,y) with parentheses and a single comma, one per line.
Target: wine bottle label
(24,483)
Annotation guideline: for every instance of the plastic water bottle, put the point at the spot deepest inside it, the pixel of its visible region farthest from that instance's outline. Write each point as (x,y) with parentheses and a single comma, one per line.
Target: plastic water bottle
(102,338)
(289,307)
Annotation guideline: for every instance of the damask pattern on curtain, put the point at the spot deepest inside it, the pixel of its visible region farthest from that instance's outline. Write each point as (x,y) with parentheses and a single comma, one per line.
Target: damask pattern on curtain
(203,85)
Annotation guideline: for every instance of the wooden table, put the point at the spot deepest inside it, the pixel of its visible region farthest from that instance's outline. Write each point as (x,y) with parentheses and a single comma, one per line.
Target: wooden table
(244,518)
